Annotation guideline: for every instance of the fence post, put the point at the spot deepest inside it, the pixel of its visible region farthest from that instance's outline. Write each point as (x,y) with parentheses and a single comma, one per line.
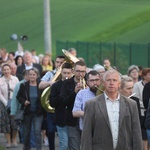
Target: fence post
(148,54)
(100,52)
(130,53)
(87,53)
(77,48)
(114,53)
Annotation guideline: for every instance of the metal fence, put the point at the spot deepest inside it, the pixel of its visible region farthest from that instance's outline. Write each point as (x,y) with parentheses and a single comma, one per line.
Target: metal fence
(120,55)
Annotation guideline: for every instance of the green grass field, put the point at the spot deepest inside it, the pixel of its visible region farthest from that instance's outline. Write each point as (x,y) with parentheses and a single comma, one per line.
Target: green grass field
(121,21)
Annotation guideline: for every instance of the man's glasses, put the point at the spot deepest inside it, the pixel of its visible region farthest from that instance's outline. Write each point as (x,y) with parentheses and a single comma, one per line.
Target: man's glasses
(80,71)
(92,80)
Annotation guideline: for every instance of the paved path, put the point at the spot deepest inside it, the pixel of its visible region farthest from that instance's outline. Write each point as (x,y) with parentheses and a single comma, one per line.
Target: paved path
(20,146)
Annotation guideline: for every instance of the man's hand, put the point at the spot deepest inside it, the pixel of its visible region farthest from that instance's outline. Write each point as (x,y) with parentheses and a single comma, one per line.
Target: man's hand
(26,103)
(78,87)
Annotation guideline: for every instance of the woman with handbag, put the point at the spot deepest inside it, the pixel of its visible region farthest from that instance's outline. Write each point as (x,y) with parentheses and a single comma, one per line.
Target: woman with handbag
(29,97)
(7,123)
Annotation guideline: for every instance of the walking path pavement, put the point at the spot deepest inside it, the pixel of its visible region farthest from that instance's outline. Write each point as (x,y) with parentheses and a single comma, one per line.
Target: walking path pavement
(20,146)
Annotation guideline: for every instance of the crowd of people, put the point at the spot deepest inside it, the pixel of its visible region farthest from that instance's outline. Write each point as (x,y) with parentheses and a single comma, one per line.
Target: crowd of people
(91,108)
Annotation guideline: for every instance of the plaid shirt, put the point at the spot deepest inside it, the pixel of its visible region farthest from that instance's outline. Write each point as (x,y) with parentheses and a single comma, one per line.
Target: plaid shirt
(79,104)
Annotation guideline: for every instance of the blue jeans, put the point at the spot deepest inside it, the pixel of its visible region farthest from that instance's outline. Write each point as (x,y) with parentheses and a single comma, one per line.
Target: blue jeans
(37,123)
(51,128)
(32,138)
(63,137)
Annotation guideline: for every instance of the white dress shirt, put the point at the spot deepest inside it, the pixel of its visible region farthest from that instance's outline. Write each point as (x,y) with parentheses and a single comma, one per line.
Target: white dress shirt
(113,115)
(29,67)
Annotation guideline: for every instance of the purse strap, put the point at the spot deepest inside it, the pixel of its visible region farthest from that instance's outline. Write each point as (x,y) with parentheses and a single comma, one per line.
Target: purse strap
(25,92)
(9,89)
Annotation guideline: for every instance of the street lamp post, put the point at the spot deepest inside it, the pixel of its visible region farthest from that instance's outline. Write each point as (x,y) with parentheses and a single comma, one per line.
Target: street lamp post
(47,27)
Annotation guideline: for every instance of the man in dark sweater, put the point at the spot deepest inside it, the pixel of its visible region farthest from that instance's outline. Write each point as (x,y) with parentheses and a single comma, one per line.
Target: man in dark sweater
(60,108)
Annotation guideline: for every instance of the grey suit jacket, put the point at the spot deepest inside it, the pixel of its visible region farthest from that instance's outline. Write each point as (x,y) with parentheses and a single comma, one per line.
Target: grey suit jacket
(96,134)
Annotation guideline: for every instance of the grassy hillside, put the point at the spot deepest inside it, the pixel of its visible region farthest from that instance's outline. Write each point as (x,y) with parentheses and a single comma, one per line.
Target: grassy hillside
(74,20)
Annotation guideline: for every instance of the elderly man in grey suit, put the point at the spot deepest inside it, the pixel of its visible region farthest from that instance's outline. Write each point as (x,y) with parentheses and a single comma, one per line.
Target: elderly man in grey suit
(111,121)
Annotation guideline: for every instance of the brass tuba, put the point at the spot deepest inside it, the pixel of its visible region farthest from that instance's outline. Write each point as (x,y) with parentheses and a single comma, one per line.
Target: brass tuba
(45,94)
(47,91)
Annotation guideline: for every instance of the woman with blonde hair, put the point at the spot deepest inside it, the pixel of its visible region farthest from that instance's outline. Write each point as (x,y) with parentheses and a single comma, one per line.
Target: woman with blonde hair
(47,63)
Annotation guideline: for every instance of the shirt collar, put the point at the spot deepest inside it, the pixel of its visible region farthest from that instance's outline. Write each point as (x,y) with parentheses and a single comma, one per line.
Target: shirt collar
(107,98)
(29,66)
(10,78)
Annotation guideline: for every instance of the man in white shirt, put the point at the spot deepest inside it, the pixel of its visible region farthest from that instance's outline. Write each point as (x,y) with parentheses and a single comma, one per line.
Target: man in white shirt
(27,64)
(111,121)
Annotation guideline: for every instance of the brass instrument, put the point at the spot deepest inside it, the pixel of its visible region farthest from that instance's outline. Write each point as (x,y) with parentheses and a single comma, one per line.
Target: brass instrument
(73,59)
(47,91)
(70,56)
(82,81)
(106,68)
(100,90)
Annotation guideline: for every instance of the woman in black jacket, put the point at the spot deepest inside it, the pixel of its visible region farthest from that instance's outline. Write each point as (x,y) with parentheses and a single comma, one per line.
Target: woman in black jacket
(29,97)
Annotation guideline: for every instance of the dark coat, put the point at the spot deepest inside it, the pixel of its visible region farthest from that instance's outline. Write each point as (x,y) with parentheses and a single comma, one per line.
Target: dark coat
(67,96)
(96,134)
(146,98)
(23,95)
(138,104)
(21,68)
(56,102)
(146,94)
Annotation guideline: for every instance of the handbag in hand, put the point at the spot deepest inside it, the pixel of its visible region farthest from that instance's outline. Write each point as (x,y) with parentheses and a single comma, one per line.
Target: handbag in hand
(19,115)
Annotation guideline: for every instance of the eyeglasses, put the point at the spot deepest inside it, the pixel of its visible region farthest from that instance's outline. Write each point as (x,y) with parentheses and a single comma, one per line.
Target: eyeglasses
(80,71)
(102,72)
(92,80)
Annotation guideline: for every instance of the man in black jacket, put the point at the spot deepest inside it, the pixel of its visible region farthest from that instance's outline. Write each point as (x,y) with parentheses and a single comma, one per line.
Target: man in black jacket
(27,57)
(60,109)
(69,90)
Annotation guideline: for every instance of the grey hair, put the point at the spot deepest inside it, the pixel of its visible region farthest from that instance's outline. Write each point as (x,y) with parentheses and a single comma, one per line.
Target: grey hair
(125,78)
(111,71)
(131,68)
(35,70)
(71,49)
(27,53)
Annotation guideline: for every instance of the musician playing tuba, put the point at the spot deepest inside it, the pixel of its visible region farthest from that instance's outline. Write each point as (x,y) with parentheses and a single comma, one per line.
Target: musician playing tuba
(46,81)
